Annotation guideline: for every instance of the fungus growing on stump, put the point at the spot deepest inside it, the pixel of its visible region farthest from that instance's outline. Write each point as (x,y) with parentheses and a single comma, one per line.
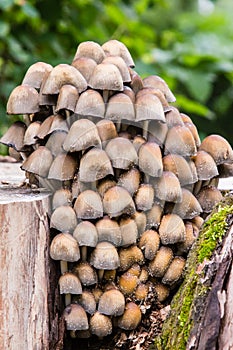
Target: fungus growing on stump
(131,181)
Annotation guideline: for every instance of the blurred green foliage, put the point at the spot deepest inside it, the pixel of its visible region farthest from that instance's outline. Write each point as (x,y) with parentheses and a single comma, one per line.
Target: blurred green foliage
(189,45)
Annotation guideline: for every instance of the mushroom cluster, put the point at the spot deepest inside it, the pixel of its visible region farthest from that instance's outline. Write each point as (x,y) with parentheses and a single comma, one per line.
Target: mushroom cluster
(131,181)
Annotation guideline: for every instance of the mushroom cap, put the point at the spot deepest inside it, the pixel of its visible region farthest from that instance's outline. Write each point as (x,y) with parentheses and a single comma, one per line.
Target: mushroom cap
(150,159)
(117,48)
(75,317)
(141,291)
(218,148)
(140,220)
(189,207)
(129,92)
(149,243)
(100,325)
(121,153)
(173,117)
(112,303)
(63,219)
(120,107)
(109,231)
(86,273)
(180,167)
(205,166)
(129,231)
(104,185)
(127,283)
(106,129)
(225,170)
(88,205)
(130,180)
(63,74)
(63,167)
(51,124)
(194,132)
(14,137)
(31,132)
(82,135)
(85,65)
(161,261)
(158,83)
(129,256)
(106,76)
(117,201)
(180,141)
(64,247)
(94,165)
(149,107)
(158,93)
(38,162)
(55,142)
(24,99)
(174,271)
(131,317)
(154,216)
(91,50)
(86,234)
(67,98)
(35,74)
(105,256)
(172,229)
(161,291)
(87,301)
(191,233)
(208,197)
(157,132)
(167,187)
(63,196)
(136,81)
(69,284)
(121,65)
(90,104)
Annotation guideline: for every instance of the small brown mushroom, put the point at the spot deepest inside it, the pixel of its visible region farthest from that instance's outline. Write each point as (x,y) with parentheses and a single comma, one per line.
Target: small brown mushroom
(100,325)
(162,291)
(91,50)
(131,317)
(55,142)
(205,165)
(63,167)
(86,235)
(150,159)
(121,65)
(35,74)
(167,187)
(173,117)
(218,148)
(106,129)
(158,83)
(141,291)
(144,197)
(67,98)
(129,231)
(75,317)
(63,219)
(130,180)
(39,162)
(14,137)
(140,219)
(87,301)
(85,65)
(149,243)
(161,261)
(180,167)
(121,153)
(117,48)
(117,201)
(63,196)
(157,132)
(24,99)
(189,207)
(174,271)
(51,124)
(172,229)
(109,230)
(90,104)
(129,256)
(154,216)
(104,185)
(86,273)
(69,284)
(120,107)
(88,205)
(127,283)
(30,133)
(208,197)
(191,233)
(112,303)
(180,141)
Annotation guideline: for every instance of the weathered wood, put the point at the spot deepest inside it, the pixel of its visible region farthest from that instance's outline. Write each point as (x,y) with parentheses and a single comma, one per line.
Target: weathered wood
(27,318)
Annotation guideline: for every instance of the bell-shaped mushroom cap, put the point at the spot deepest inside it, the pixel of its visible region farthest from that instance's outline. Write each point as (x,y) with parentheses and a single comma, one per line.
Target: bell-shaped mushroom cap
(173,117)
(67,98)
(149,107)
(31,132)
(69,284)
(205,166)
(100,325)
(90,49)
(63,196)
(63,167)
(63,219)
(130,180)
(35,74)
(106,129)
(38,162)
(174,271)
(87,301)
(75,317)
(109,231)
(112,303)
(129,256)
(46,100)
(127,283)
(64,247)
(117,201)
(158,83)
(121,153)
(55,142)
(180,167)
(157,132)
(104,185)
(140,219)
(141,291)
(161,261)
(189,207)
(129,231)
(167,187)
(24,99)
(94,165)
(158,93)
(225,170)
(90,104)
(63,74)
(86,273)
(117,48)
(129,92)
(180,141)
(51,124)
(85,66)
(150,159)
(149,243)
(85,234)
(136,83)
(14,137)
(131,317)
(82,135)
(144,198)
(218,148)
(88,205)
(172,229)
(154,216)
(120,107)
(193,169)
(106,76)
(208,197)
(193,130)
(105,256)
(161,291)
(191,233)
(121,65)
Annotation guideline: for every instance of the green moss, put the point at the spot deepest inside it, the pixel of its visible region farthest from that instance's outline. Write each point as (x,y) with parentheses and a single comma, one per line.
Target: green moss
(176,330)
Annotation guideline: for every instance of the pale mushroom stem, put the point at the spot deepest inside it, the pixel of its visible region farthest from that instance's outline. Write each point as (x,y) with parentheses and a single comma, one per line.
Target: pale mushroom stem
(197,187)
(145,126)
(84,253)
(118,126)
(68,119)
(63,266)
(105,95)
(101,274)
(67,299)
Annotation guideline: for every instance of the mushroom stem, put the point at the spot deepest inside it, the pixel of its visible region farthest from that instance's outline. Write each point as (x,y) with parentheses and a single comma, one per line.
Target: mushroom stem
(105,95)
(84,253)
(101,274)
(73,334)
(197,187)
(145,126)
(67,299)
(63,266)
(118,126)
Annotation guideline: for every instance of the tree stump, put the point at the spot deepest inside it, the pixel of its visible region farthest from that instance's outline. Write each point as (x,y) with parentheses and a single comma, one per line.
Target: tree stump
(29,300)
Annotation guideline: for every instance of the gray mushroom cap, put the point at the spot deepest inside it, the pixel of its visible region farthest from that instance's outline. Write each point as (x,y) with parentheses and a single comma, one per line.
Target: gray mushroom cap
(91,50)
(69,284)
(75,317)
(63,167)
(64,247)
(39,162)
(117,201)
(14,137)
(121,153)
(63,219)
(112,303)
(117,48)
(24,99)
(35,74)
(105,256)
(86,234)
(67,98)
(88,205)
(106,76)
(90,104)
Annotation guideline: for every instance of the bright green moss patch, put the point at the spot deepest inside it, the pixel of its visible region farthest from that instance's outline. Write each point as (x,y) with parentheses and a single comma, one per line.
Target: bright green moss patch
(176,329)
